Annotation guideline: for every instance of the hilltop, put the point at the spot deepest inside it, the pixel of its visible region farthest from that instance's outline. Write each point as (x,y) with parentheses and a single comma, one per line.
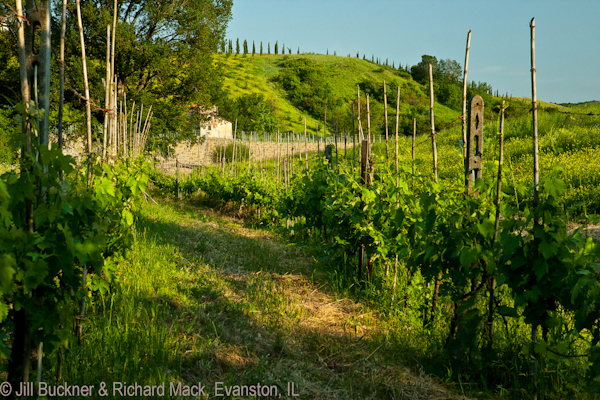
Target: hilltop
(296,86)
(247,74)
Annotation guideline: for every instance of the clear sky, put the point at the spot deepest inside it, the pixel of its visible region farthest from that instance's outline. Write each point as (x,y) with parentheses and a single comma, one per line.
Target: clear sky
(567,37)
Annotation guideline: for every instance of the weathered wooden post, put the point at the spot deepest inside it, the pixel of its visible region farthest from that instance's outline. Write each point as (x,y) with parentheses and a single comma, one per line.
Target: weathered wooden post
(329,155)
(536,181)
(473,162)
(366,179)
(464,109)
(387,148)
(177,178)
(433,145)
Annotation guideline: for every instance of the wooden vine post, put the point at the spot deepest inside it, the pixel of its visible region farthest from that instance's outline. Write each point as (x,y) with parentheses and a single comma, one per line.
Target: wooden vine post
(492,279)
(387,148)
(88,112)
(473,162)
(464,105)
(397,188)
(434,147)
(366,179)
(306,148)
(536,181)
(414,137)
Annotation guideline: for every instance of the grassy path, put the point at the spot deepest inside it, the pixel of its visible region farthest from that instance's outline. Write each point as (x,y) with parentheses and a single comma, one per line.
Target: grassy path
(203,299)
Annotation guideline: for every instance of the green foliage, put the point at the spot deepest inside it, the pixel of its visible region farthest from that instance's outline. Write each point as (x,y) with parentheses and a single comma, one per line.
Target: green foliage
(169,53)
(307,86)
(9,137)
(545,275)
(74,226)
(252,112)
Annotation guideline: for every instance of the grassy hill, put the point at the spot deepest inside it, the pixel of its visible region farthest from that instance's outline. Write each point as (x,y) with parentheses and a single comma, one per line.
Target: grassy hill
(260,74)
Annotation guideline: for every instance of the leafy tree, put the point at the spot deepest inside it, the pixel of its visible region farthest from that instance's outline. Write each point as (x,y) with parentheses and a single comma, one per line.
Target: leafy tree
(420,72)
(163,55)
(252,111)
(450,70)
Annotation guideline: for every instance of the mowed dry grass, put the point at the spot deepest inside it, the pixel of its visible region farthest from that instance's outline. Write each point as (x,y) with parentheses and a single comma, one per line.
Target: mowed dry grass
(248,308)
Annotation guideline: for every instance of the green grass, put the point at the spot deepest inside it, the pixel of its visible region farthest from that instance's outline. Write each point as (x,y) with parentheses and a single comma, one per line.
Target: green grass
(201,298)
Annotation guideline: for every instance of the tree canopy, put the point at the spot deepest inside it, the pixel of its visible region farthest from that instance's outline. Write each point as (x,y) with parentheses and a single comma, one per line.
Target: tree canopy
(163,54)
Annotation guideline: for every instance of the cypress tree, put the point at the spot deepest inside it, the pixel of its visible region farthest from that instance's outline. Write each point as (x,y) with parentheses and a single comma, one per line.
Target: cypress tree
(223,46)
(357,55)
(245,46)
(283,48)
(393,66)
(230,46)
(253,48)
(386,62)
(237,46)
(269,48)
(364,58)
(261,50)
(298,49)
(327,51)
(276,49)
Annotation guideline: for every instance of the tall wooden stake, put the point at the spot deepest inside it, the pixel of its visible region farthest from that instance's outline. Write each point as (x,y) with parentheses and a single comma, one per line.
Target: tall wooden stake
(368,125)
(88,112)
(387,148)
(414,137)
(492,279)
(464,108)
(536,179)
(61,62)
(305,147)
(435,172)
(107,92)
(397,187)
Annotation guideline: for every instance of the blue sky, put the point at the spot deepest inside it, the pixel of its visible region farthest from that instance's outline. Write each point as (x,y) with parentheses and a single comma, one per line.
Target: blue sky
(567,37)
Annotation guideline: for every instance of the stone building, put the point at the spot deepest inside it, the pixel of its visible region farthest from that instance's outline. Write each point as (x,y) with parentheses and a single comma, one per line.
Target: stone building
(213,126)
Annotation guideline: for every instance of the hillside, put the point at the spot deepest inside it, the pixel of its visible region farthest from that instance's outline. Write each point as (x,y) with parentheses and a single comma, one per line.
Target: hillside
(260,74)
